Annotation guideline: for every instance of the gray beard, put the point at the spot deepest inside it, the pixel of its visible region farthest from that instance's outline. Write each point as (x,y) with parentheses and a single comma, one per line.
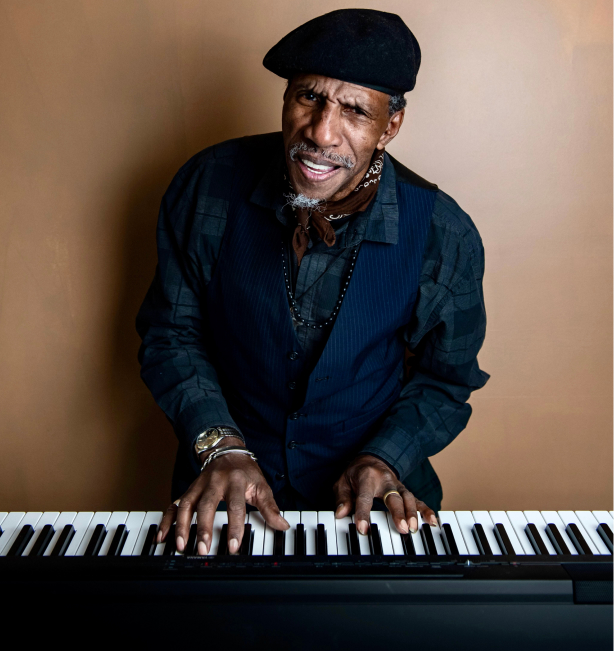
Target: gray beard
(301,201)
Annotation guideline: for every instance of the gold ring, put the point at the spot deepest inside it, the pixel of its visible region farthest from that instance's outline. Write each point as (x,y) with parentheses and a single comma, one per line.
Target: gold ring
(176,503)
(391,493)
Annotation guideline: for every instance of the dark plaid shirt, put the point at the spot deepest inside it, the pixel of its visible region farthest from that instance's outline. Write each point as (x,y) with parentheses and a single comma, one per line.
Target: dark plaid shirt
(443,337)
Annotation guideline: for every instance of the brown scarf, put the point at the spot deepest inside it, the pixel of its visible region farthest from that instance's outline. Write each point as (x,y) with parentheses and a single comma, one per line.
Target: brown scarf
(357,201)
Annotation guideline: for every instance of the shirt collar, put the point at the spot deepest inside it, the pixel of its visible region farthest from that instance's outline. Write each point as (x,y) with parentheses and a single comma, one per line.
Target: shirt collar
(379,223)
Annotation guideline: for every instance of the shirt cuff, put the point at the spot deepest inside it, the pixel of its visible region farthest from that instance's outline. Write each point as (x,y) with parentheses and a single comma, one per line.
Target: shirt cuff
(394,447)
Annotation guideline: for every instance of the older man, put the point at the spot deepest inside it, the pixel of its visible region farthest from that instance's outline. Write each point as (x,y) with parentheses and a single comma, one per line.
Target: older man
(296,272)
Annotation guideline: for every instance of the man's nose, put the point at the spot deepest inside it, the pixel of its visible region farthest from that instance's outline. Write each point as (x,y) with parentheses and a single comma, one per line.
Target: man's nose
(324,129)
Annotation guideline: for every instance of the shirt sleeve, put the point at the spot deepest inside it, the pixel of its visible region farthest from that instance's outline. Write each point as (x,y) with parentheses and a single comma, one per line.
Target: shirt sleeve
(172,321)
(443,339)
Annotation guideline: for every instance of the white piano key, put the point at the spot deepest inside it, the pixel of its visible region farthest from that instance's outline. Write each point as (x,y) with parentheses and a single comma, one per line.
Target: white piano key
(66,517)
(269,541)
(395,536)
(552,517)
(292,518)
(117,518)
(612,514)
(448,517)
(134,523)
(258,527)
(519,523)
(590,524)
(100,517)
(379,518)
(81,524)
(3,515)
(465,522)
(500,517)
(363,541)
(601,516)
(483,518)
(48,517)
(535,517)
(151,517)
(310,521)
(9,525)
(327,518)
(31,518)
(341,529)
(570,516)
(439,546)
(219,520)
(417,539)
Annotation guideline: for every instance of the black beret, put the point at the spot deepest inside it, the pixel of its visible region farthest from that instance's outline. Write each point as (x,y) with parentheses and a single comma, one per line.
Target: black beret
(361,46)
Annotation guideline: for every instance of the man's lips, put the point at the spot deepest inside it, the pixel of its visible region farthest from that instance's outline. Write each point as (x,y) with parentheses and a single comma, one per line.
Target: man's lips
(312,171)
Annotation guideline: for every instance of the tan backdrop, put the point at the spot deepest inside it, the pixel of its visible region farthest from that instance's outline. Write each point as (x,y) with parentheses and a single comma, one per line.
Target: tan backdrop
(101,101)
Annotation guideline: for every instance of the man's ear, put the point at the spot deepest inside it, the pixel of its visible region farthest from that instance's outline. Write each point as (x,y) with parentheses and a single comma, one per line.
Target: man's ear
(394,124)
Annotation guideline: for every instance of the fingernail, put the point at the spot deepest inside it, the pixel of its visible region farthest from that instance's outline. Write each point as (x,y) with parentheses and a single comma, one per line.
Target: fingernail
(202,549)
(433,521)
(233,546)
(413,524)
(339,509)
(404,526)
(180,544)
(287,524)
(159,537)
(362,527)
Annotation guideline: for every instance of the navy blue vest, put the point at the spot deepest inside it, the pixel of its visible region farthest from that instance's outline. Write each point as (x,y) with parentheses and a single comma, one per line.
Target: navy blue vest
(359,373)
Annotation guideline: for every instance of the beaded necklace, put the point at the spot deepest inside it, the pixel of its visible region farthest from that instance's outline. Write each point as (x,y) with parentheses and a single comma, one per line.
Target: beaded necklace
(294,309)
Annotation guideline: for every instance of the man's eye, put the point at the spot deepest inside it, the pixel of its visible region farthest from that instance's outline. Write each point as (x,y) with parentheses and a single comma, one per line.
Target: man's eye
(310,97)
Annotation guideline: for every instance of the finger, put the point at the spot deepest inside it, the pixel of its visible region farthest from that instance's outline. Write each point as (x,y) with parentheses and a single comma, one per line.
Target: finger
(184,520)
(411,513)
(364,502)
(205,515)
(235,505)
(167,520)
(395,504)
(343,498)
(266,504)
(428,515)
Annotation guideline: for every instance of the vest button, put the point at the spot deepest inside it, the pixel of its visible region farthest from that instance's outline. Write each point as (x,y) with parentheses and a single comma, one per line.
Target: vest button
(293,355)
(292,445)
(279,476)
(294,416)
(291,385)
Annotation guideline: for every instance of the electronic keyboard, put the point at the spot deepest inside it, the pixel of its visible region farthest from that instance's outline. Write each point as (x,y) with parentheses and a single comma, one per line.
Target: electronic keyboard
(542,574)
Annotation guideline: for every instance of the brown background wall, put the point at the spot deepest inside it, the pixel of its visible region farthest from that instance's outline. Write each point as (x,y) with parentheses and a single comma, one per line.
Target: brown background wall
(101,101)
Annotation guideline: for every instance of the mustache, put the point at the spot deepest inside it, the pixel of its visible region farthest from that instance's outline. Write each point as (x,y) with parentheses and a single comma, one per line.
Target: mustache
(337,159)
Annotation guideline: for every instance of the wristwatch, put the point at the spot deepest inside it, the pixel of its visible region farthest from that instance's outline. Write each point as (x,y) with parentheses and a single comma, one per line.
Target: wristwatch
(212,436)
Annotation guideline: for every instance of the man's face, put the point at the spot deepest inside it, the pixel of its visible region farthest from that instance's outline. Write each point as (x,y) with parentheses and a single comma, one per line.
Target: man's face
(331,129)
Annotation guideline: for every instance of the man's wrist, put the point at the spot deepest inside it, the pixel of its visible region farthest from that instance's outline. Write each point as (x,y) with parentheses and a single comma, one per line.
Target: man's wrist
(228,440)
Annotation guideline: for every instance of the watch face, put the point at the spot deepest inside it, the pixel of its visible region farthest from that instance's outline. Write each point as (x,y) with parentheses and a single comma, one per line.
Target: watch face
(209,439)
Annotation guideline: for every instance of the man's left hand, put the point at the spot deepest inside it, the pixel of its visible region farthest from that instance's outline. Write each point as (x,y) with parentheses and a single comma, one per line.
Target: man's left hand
(368,477)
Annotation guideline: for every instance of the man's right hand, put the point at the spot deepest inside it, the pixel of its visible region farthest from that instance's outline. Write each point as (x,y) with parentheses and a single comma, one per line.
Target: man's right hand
(233,478)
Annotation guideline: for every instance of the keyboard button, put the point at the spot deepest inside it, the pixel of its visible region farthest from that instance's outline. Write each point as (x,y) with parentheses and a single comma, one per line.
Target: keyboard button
(481,540)
(65,518)
(117,541)
(537,542)
(21,541)
(14,528)
(483,518)
(117,518)
(500,517)
(519,524)
(379,518)
(48,518)
(427,540)
(42,541)
(309,519)
(363,542)
(247,541)
(606,535)
(151,518)
(342,531)
(560,547)
(219,520)
(503,540)
(570,517)
(279,543)
(578,539)
(375,541)
(96,540)
(292,518)
(465,523)
(536,518)
(60,545)
(258,528)
(353,542)
(590,524)
(395,537)
(553,518)
(81,525)
(93,531)
(134,523)
(321,541)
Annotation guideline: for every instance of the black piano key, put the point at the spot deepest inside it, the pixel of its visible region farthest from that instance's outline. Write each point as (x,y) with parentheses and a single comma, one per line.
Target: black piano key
(119,540)
(375,541)
(321,541)
(171,546)
(190,548)
(95,543)
(427,540)
(279,543)
(448,540)
(353,544)
(503,539)
(63,542)
(408,544)
(222,547)
(578,539)
(149,547)
(300,540)
(247,542)
(606,535)
(480,539)
(552,531)
(43,540)
(22,540)
(535,539)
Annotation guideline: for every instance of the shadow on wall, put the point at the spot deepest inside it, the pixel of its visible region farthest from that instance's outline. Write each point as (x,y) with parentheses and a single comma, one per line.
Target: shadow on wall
(148,451)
